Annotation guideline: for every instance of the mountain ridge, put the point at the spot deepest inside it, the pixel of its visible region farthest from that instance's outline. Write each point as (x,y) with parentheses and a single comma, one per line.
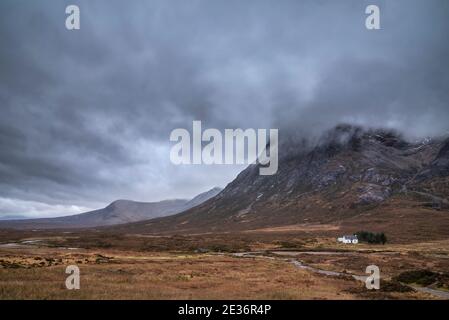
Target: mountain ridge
(349,173)
(117,212)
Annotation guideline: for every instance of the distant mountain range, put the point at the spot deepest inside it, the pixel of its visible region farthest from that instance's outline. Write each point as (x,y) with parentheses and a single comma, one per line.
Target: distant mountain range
(352,176)
(12,217)
(118,212)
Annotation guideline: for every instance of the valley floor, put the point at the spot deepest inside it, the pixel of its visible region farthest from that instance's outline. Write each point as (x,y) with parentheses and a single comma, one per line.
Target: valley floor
(228,266)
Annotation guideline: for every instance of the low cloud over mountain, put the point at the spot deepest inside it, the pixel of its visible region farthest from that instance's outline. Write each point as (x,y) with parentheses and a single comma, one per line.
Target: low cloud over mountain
(86,114)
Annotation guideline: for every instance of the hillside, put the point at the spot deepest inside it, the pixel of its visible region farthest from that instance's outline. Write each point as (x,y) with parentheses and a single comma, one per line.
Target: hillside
(118,212)
(349,178)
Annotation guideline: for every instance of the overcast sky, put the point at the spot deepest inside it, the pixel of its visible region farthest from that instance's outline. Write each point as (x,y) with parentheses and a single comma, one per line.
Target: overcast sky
(86,115)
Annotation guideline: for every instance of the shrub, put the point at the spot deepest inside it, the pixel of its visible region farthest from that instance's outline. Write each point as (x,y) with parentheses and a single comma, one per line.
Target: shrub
(421,277)
(365,236)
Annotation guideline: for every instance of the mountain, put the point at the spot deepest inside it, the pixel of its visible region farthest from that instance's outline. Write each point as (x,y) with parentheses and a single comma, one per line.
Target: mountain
(350,175)
(202,197)
(120,211)
(12,217)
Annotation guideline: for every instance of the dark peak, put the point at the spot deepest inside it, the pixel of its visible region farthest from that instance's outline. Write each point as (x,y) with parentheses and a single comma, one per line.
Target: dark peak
(340,135)
(353,137)
(345,128)
(389,138)
(343,137)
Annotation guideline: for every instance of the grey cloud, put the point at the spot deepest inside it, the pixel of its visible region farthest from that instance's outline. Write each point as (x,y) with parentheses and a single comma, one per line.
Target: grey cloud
(86,115)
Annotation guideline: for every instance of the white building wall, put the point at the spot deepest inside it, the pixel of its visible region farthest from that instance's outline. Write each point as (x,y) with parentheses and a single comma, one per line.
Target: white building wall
(347,241)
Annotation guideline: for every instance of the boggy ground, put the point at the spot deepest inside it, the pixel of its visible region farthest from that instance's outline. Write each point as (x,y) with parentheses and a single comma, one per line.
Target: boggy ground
(205,266)
(132,275)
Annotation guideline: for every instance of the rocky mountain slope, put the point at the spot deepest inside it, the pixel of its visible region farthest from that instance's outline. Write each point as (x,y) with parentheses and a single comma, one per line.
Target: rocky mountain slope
(120,211)
(348,174)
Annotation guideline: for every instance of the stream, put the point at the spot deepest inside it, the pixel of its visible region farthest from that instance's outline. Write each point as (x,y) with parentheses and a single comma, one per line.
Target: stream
(259,254)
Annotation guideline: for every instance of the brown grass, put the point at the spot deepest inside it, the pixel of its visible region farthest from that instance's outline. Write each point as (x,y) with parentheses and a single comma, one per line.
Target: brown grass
(146,266)
(133,275)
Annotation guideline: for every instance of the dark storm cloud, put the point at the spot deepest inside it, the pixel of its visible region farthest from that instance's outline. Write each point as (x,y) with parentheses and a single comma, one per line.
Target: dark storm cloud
(396,78)
(86,115)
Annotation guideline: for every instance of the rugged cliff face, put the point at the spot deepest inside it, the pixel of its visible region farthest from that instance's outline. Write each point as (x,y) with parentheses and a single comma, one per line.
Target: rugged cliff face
(348,172)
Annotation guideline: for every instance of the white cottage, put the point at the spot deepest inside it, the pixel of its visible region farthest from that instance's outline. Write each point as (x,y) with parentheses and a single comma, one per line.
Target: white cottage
(348,239)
